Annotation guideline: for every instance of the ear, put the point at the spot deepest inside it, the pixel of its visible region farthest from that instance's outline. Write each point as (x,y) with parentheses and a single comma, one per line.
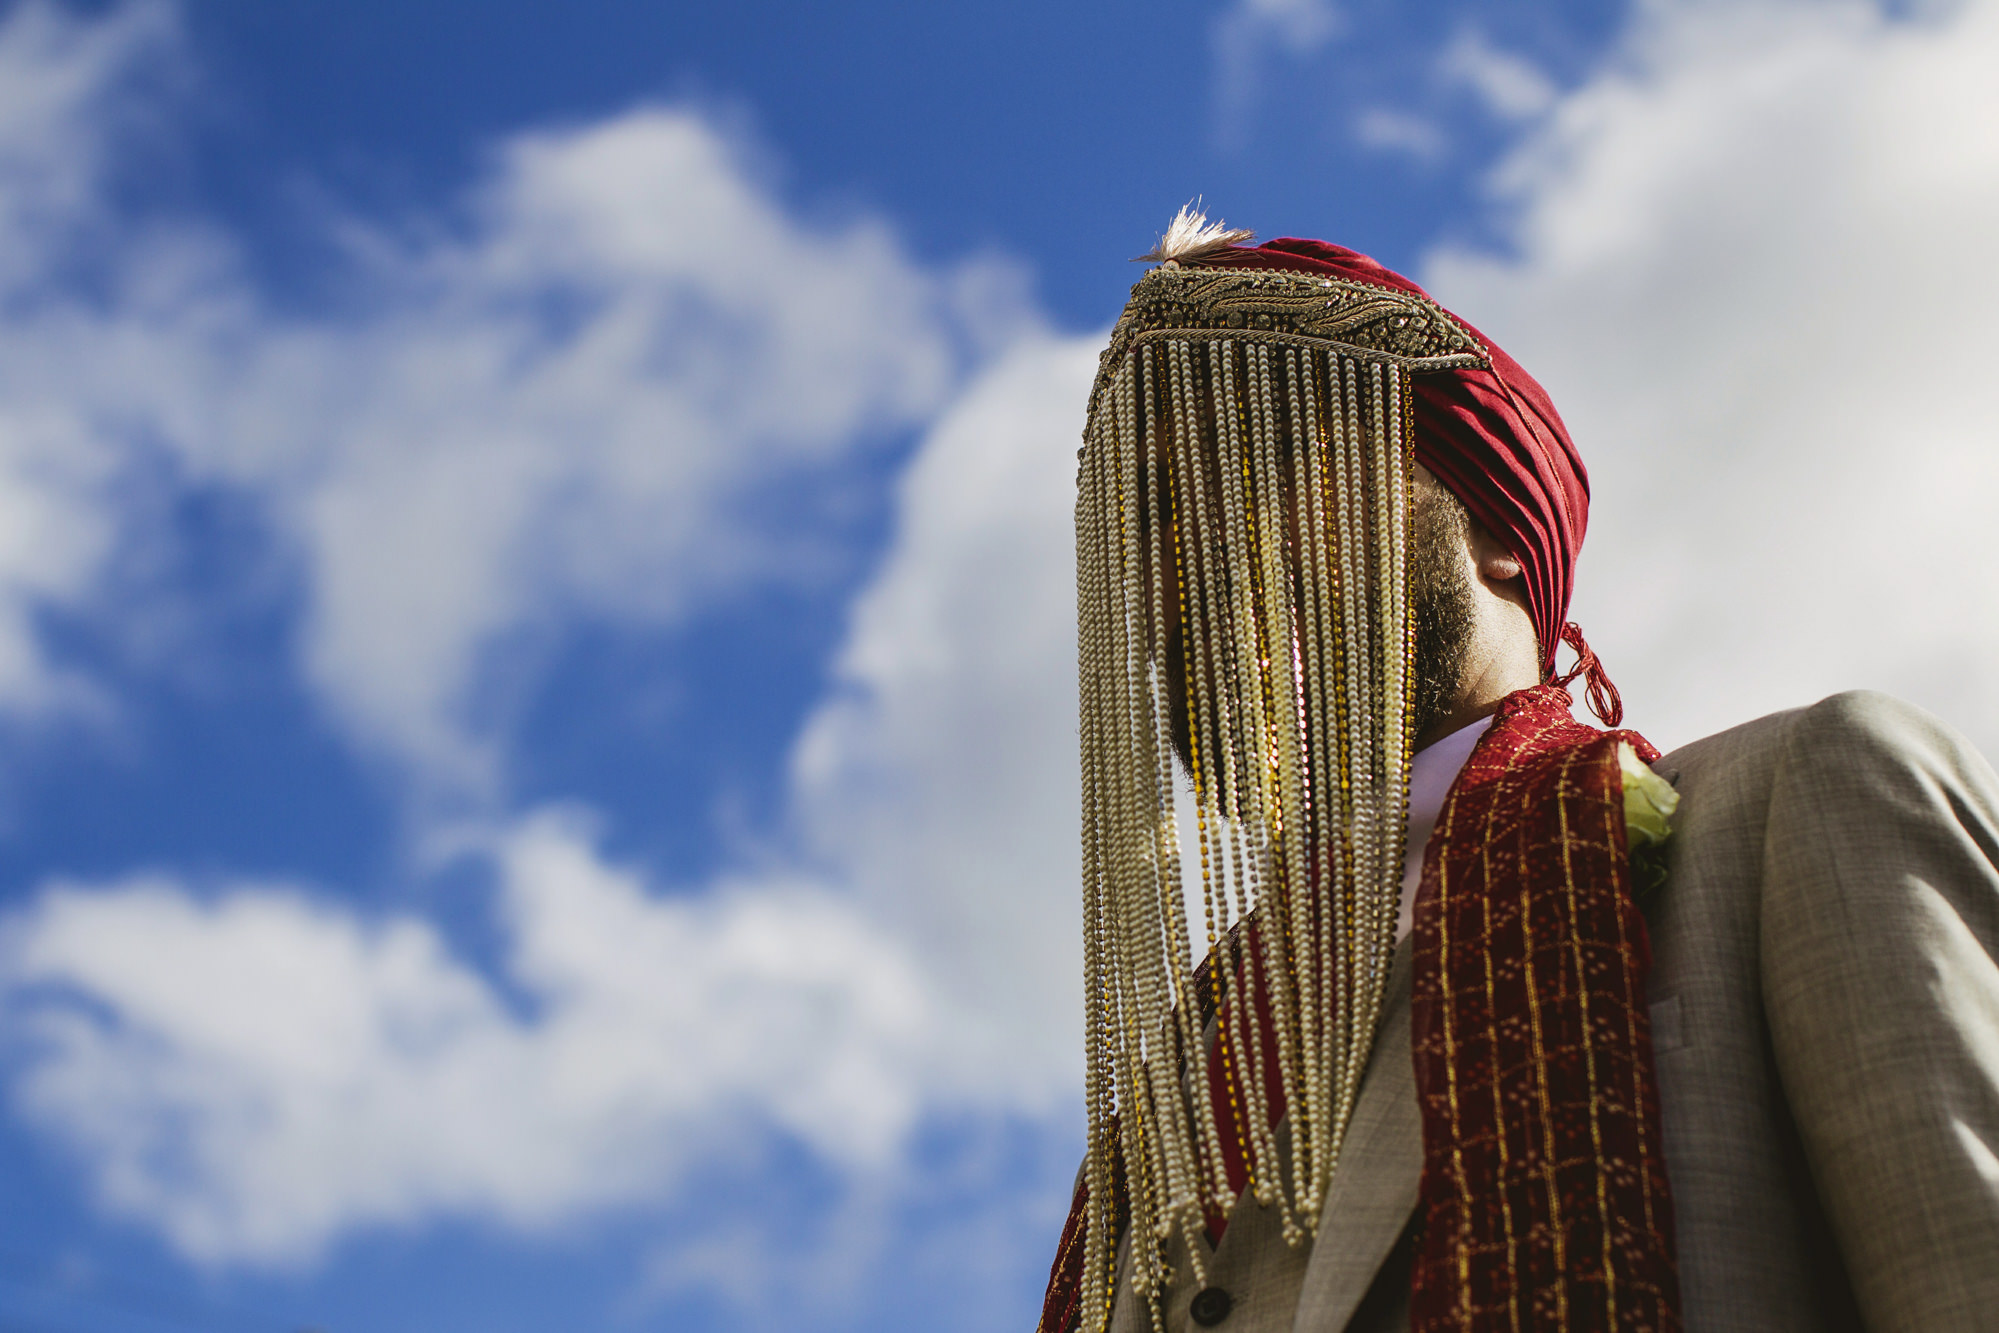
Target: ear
(1496,564)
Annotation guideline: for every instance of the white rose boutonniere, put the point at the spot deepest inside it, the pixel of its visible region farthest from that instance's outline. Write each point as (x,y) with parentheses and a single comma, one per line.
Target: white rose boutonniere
(1649,803)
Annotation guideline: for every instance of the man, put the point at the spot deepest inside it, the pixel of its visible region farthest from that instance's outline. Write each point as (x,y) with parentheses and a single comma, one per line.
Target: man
(1462,1051)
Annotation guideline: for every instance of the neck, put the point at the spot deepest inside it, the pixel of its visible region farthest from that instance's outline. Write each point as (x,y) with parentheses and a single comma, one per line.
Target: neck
(1503,657)
(1479,699)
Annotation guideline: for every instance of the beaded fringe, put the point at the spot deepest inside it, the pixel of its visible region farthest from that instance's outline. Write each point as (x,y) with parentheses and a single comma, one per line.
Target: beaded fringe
(1242,527)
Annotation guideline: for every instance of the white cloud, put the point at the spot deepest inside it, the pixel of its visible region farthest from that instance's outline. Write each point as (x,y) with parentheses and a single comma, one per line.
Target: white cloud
(59,82)
(572,409)
(1509,85)
(939,778)
(570,395)
(1244,38)
(1387,130)
(565,399)
(1754,268)
(256,1073)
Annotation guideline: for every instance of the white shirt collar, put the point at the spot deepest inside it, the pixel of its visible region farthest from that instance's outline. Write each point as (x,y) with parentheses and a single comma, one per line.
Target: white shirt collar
(1432,771)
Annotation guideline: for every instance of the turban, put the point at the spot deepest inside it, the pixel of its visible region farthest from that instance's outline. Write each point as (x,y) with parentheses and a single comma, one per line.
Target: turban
(1488,433)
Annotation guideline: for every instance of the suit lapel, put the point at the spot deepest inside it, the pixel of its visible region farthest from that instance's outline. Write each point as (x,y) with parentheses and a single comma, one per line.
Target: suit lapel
(1374,1188)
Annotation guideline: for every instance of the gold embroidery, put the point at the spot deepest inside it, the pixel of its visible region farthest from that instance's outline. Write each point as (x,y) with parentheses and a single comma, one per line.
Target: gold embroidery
(1564,790)
(1499,1102)
(1557,1231)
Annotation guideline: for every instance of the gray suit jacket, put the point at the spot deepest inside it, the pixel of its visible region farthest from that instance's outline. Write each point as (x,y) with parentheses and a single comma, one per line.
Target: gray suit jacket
(1825,1014)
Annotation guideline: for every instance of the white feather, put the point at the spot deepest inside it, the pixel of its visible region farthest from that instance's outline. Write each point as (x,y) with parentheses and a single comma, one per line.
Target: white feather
(1191,236)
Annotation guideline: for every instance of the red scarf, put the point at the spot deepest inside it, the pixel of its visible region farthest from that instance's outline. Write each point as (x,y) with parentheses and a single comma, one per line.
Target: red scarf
(1544,1201)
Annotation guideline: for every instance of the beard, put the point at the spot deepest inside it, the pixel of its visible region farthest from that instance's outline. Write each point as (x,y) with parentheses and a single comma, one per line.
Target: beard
(1442,605)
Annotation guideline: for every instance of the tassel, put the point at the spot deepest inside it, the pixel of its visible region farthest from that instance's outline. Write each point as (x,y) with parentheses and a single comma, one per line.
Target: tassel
(1604,700)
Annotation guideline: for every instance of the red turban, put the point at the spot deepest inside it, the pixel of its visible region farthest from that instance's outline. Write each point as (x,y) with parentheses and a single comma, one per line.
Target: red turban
(1488,433)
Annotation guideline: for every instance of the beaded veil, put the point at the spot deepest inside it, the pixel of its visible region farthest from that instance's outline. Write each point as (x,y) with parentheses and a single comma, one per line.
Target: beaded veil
(1242,536)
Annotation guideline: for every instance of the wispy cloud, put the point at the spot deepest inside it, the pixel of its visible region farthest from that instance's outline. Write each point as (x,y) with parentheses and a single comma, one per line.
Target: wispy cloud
(1508,85)
(1247,36)
(1752,265)
(570,407)
(1390,131)
(1504,86)
(939,775)
(559,399)
(257,1072)
(64,85)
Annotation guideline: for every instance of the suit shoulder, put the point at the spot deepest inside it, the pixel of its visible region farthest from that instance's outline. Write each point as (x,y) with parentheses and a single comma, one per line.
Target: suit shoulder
(1858,735)
(1752,743)
(1852,720)
(1868,729)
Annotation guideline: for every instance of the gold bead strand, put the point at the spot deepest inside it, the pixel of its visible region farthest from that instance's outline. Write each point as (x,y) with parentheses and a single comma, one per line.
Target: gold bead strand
(1095,1278)
(1351,490)
(1319,1035)
(1388,556)
(1363,722)
(1096,508)
(1327,832)
(1206,1135)
(1283,686)
(1196,1144)
(1399,645)
(1277,705)
(1099,738)
(1144,1148)
(1228,684)
(1246,791)
(1143,935)
(1229,676)
(1309,1148)
(1167,910)
(1197,607)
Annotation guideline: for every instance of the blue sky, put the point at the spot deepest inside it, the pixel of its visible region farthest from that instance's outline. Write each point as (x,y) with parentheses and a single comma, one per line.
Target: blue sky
(535,630)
